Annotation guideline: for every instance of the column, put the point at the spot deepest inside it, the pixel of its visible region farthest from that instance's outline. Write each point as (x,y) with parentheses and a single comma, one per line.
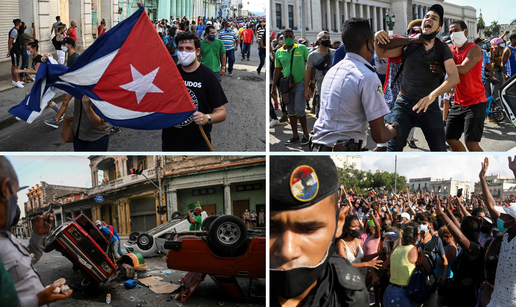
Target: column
(338,22)
(345,11)
(128,216)
(308,11)
(121,216)
(284,20)
(297,16)
(80,11)
(173,9)
(183,6)
(375,19)
(112,216)
(360,12)
(328,15)
(227,199)
(368,13)
(172,204)
(177,13)
(73,214)
(353,11)
(272,22)
(421,14)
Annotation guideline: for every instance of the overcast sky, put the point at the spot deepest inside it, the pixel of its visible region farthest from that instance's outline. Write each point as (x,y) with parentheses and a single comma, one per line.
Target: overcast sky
(458,167)
(503,11)
(60,170)
(257,6)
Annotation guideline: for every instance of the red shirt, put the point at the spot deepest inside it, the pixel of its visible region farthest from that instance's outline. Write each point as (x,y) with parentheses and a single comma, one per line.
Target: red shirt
(73,35)
(470,90)
(103,30)
(248,36)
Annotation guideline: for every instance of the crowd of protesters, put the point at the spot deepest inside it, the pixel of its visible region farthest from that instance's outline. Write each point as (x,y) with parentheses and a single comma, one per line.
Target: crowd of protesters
(464,244)
(388,84)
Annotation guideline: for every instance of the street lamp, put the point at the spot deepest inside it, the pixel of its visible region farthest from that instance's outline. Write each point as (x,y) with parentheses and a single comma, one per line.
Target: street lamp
(390,20)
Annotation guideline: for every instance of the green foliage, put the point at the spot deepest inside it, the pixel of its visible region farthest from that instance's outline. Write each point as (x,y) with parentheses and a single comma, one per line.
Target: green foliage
(480,24)
(495,27)
(513,22)
(488,33)
(367,181)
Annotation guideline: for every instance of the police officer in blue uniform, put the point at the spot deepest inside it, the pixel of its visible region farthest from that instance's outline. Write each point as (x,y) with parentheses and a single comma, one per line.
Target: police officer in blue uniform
(305,269)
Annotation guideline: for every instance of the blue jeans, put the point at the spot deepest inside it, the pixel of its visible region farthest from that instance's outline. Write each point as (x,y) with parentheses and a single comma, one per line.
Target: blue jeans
(396,297)
(261,53)
(272,113)
(98,145)
(230,58)
(218,76)
(480,290)
(430,122)
(246,50)
(25,61)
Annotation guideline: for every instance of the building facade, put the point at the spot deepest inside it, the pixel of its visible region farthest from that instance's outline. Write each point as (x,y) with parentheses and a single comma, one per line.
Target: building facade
(443,187)
(498,185)
(330,15)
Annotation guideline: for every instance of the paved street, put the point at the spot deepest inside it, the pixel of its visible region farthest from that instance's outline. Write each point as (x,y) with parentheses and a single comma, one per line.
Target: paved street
(497,137)
(243,129)
(53,266)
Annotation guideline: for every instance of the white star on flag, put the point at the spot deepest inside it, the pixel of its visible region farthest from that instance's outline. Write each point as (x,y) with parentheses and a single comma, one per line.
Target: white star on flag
(141,84)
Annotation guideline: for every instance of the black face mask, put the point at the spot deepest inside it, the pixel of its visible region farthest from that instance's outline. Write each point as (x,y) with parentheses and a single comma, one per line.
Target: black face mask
(486,228)
(293,282)
(355,233)
(326,43)
(13,211)
(428,36)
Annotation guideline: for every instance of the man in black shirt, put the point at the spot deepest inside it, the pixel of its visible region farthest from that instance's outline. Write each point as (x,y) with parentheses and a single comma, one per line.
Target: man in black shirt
(421,84)
(14,51)
(206,93)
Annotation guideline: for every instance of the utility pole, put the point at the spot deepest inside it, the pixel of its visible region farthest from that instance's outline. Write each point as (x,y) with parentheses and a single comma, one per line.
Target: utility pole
(395,172)
(158,175)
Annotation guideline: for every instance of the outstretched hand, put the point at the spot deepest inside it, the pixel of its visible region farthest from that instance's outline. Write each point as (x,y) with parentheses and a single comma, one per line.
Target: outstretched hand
(512,164)
(485,165)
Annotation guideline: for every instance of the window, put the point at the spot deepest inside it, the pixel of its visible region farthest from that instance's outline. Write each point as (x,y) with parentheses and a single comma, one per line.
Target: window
(291,16)
(249,187)
(203,191)
(278,16)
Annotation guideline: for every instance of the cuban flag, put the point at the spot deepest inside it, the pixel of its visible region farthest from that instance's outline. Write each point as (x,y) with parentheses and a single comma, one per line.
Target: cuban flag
(127,73)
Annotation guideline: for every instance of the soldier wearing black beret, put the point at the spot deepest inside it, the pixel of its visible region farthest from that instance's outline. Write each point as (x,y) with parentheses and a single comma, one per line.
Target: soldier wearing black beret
(305,269)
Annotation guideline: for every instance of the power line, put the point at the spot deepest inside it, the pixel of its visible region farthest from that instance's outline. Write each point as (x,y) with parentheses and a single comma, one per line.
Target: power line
(44,163)
(30,163)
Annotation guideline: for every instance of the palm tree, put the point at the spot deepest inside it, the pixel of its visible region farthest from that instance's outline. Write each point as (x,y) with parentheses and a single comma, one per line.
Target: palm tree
(513,22)
(495,27)
(481,24)
(487,32)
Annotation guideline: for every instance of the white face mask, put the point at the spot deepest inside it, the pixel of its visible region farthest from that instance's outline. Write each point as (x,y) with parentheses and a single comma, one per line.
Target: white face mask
(186,58)
(458,38)
(64,48)
(502,45)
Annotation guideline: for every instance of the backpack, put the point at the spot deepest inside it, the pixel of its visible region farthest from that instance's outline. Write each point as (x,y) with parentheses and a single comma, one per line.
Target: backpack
(429,247)
(408,50)
(171,47)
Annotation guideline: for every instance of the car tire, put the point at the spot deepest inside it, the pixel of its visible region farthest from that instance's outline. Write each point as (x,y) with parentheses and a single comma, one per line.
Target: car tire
(206,223)
(227,232)
(144,241)
(175,214)
(50,243)
(134,236)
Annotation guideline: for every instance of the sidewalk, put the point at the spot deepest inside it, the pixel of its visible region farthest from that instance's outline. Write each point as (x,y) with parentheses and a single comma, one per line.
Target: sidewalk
(11,96)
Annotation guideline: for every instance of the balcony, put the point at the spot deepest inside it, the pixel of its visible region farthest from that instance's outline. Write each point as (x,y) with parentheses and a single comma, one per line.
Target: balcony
(123,181)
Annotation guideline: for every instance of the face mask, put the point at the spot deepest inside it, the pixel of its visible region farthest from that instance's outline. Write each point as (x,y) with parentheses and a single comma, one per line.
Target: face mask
(484,46)
(186,58)
(355,233)
(429,36)
(502,45)
(326,43)
(289,41)
(395,210)
(12,209)
(29,53)
(458,38)
(64,48)
(383,208)
(499,225)
(486,228)
(292,283)
(281,42)
(211,37)
(423,228)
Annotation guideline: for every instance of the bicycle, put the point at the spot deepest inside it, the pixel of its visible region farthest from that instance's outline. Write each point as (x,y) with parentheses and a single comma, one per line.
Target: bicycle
(494,110)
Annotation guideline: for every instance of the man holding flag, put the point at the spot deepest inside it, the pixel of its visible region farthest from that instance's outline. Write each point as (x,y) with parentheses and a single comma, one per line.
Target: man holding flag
(207,95)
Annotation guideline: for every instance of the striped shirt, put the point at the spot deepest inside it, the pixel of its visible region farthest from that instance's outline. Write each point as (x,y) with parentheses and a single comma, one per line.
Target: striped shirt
(228,38)
(260,32)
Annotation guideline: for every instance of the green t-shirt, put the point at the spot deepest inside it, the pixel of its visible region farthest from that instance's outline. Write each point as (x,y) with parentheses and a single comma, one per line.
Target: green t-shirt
(283,61)
(8,294)
(196,226)
(210,53)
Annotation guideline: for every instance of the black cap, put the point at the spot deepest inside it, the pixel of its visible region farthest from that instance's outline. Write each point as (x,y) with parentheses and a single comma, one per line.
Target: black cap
(513,36)
(437,8)
(297,182)
(69,40)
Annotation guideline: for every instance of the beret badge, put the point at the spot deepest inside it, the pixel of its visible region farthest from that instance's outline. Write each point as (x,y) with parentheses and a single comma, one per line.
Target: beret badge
(304,183)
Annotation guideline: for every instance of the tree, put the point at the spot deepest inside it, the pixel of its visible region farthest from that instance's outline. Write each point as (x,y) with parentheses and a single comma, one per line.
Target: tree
(480,24)
(513,22)
(487,32)
(367,181)
(495,27)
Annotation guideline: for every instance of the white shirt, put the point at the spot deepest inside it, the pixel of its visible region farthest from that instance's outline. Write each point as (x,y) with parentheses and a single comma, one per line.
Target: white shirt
(351,97)
(504,293)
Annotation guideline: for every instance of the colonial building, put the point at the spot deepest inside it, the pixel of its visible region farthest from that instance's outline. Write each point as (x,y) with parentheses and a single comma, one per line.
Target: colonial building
(329,15)
(130,202)
(498,185)
(444,187)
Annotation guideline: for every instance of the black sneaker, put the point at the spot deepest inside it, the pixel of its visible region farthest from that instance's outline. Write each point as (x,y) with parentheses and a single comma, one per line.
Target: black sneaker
(115,130)
(292,140)
(412,144)
(304,140)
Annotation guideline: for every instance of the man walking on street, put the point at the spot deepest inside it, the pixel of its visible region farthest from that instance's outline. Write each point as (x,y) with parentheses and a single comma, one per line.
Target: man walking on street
(468,112)
(508,58)
(231,42)
(200,29)
(291,59)
(213,53)
(248,35)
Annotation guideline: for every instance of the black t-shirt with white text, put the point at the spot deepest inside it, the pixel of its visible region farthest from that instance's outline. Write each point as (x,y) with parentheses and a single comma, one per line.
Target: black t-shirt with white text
(207,95)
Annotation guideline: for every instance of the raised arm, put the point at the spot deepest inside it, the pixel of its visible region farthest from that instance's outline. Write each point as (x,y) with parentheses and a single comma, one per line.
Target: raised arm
(488,198)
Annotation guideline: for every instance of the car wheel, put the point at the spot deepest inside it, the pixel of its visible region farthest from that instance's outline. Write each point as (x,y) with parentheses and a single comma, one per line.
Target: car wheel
(227,232)
(144,241)
(206,223)
(50,243)
(175,215)
(134,236)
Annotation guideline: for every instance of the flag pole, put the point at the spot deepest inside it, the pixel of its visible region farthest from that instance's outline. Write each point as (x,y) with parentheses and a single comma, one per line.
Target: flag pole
(205,138)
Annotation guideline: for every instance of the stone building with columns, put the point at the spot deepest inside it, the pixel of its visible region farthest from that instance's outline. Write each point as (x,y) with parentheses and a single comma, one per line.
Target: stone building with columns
(329,15)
